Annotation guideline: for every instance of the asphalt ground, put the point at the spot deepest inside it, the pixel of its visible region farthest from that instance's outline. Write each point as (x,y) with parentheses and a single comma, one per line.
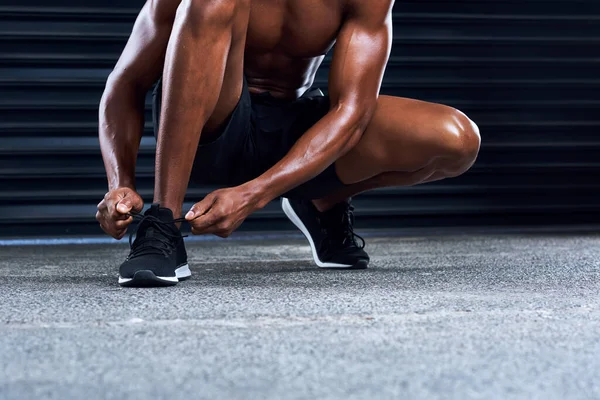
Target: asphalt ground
(453,317)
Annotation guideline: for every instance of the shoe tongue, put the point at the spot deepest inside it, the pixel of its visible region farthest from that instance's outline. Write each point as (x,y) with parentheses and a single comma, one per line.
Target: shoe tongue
(147,228)
(149,232)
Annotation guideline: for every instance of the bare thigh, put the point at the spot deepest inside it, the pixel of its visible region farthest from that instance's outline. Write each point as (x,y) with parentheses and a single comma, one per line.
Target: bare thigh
(407,135)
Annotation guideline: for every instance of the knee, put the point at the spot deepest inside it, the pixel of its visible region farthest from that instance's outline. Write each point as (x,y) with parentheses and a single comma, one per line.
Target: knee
(198,13)
(462,142)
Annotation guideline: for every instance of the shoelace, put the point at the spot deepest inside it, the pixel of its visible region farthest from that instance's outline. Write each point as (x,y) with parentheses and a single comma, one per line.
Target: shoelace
(165,247)
(340,232)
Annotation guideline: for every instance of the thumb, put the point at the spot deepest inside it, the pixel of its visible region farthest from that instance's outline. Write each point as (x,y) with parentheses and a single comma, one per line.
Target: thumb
(200,208)
(124,206)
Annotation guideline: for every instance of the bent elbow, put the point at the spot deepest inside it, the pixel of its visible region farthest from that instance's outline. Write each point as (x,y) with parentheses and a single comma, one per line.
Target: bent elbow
(119,89)
(114,84)
(356,118)
(358,112)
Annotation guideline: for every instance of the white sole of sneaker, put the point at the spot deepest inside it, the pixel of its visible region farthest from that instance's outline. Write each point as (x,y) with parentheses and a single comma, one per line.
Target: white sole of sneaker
(181,273)
(147,278)
(291,214)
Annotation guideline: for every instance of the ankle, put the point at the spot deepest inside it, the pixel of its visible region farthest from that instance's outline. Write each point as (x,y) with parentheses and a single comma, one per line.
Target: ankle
(322,205)
(325,204)
(176,215)
(174,209)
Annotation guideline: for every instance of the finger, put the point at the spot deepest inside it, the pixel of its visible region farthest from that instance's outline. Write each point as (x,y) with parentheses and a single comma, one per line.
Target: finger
(206,223)
(117,216)
(118,231)
(102,206)
(223,234)
(123,224)
(201,207)
(206,230)
(110,230)
(105,229)
(114,216)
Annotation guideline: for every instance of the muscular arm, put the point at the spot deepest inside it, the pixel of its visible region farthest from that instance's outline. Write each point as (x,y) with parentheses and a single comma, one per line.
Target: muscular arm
(360,55)
(122,106)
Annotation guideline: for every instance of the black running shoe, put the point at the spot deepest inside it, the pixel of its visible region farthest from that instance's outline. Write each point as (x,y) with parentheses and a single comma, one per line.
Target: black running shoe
(158,256)
(330,234)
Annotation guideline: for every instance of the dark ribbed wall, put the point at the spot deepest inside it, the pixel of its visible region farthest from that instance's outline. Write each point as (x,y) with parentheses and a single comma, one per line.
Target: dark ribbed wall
(526,71)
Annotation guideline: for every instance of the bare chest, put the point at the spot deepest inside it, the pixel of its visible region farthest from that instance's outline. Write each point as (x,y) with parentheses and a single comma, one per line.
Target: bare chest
(294,28)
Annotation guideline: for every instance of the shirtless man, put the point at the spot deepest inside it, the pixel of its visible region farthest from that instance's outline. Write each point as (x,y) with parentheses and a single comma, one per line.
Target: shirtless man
(235,107)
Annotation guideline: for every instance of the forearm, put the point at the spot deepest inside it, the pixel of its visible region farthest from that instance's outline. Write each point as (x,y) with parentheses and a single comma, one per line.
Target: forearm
(360,55)
(329,139)
(120,131)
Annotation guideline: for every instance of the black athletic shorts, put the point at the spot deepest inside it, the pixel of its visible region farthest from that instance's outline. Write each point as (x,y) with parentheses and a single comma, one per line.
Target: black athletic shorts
(260,132)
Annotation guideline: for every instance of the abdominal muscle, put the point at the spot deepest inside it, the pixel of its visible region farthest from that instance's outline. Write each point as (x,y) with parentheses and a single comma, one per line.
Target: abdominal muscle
(283,76)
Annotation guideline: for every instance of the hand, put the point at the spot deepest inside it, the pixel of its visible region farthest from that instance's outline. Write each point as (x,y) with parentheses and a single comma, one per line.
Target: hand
(113,211)
(223,211)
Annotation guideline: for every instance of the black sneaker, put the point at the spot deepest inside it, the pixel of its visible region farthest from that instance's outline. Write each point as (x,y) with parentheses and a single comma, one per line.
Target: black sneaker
(158,256)
(330,233)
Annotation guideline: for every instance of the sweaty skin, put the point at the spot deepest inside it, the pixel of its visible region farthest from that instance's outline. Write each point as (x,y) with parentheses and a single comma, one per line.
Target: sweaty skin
(203,49)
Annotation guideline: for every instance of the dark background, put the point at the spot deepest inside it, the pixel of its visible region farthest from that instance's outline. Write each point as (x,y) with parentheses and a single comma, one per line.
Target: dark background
(525,71)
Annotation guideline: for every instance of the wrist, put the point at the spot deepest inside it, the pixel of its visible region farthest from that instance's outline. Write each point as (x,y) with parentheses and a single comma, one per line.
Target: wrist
(258,193)
(114,184)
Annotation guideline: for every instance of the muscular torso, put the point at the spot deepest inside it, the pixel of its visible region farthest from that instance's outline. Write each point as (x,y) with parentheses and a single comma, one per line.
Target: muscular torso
(286,42)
